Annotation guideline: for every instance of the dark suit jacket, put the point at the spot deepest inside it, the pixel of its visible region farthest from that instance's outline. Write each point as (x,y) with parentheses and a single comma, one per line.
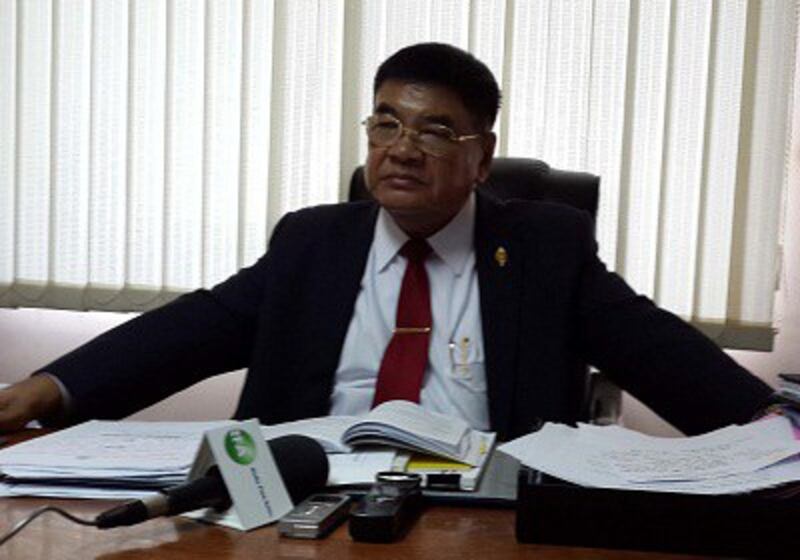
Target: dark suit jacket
(548,311)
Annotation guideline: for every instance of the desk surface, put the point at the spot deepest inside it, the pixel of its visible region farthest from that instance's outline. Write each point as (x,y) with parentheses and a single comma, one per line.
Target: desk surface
(441,533)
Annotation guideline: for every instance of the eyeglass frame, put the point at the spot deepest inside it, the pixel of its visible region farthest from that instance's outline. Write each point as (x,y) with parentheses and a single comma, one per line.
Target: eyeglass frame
(414,133)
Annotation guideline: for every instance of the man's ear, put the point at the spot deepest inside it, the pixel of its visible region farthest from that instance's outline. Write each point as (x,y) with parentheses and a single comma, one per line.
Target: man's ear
(488,143)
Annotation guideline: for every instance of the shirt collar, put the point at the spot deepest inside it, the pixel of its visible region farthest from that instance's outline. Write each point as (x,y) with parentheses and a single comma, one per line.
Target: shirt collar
(453,243)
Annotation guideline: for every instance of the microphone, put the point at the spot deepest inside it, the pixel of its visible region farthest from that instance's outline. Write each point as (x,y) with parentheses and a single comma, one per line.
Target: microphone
(301,461)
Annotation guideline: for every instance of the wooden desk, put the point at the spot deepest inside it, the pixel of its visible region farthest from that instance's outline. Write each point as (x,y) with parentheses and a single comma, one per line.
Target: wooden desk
(441,533)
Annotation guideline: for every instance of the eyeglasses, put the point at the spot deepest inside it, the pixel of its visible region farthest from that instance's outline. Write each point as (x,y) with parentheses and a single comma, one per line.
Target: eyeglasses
(437,140)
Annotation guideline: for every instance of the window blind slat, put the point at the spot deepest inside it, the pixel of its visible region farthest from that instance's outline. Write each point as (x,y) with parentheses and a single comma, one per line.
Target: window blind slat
(327,104)
(109,145)
(145,196)
(183,180)
(256,114)
(449,21)
(683,156)
(70,157)
(33,150)
(307,104)
(487,28)
(722,146)
(526,92)
(222,146)
(642,188)
(356,88)
(294,58)
(367,38)
(606,118)
(8,105)
(768,84)
(565,119)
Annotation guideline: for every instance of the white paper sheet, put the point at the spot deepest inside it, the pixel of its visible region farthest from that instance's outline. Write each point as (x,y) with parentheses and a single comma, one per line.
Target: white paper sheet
(733,459)
(96,445)
(327,430)
(83,492)
(358,468)
(414,419)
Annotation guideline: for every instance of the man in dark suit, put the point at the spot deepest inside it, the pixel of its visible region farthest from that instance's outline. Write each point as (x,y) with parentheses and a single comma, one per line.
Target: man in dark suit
(515,299)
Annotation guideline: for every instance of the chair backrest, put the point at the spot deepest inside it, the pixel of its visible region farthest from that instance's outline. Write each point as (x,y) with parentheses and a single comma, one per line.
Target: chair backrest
(523,178)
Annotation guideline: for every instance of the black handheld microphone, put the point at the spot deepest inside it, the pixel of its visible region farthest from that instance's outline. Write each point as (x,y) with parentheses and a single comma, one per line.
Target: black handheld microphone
(301,462)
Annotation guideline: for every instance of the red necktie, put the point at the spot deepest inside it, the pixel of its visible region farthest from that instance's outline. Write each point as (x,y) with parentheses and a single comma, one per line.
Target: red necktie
(403,364)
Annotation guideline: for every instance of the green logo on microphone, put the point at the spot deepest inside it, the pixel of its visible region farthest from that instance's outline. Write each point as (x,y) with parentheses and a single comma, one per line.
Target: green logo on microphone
(240,446)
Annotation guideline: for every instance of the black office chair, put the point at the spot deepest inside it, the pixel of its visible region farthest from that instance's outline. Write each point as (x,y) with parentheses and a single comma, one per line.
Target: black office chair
(531,179)
(526,179)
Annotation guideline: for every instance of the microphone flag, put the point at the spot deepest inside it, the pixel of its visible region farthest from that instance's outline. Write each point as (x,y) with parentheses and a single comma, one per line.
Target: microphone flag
(257,490)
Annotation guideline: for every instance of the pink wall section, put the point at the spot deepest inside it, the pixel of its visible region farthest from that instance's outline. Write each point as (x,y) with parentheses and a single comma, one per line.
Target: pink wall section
(29,338)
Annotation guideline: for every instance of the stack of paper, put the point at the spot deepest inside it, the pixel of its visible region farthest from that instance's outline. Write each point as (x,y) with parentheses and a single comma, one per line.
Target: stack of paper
(115,460)
(101,459)
(730,460)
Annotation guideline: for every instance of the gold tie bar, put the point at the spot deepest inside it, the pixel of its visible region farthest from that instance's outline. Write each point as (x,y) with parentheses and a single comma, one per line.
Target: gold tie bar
(411,330)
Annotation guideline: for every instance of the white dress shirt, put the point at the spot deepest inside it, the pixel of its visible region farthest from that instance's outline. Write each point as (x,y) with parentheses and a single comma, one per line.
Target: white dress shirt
(455,380)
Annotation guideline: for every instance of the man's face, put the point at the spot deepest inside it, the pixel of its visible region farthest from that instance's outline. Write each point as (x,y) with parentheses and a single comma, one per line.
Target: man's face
(420,191)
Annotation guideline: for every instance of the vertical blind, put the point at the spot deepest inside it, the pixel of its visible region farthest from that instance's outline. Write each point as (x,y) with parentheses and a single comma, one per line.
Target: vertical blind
(147,147)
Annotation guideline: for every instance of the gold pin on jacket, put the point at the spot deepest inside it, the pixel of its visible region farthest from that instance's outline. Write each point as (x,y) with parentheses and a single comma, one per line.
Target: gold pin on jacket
(501,256)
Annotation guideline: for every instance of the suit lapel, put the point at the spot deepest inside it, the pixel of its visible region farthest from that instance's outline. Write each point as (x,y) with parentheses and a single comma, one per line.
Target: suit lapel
(499,266)
(345,262)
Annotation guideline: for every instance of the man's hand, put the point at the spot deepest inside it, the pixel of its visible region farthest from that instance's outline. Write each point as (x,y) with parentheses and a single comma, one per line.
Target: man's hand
(34,398)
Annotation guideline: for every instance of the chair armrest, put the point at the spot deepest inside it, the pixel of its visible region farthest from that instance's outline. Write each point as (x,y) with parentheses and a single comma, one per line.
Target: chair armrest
(603,399)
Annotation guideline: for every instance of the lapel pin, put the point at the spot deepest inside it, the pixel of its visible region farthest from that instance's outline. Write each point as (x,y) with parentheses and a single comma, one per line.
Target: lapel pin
(501,256)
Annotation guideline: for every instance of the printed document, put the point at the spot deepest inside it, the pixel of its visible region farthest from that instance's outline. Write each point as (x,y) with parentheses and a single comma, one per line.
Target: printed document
(102,459)
(327,430)
(733,459)
(124,446)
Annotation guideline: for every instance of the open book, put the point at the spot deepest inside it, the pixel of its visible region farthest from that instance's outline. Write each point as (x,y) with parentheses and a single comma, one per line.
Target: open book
(398,424)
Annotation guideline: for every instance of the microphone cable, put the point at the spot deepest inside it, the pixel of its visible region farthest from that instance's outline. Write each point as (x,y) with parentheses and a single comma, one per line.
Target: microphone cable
(36,513)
